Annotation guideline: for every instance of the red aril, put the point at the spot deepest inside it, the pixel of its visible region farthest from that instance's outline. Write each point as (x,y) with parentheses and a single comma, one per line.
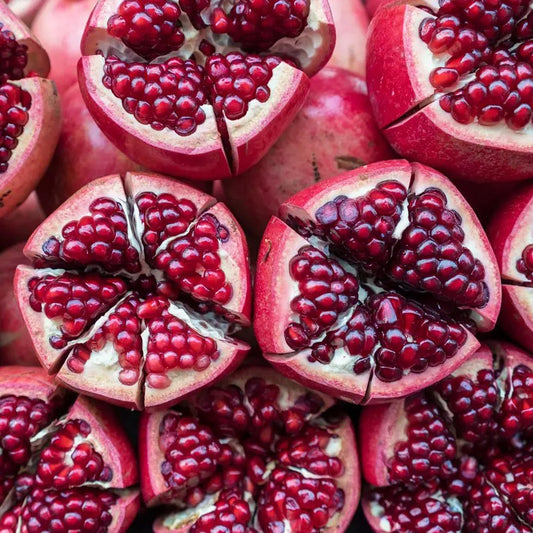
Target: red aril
(138,283)
(30,118)
(451,85)
(370,284)
(83,154)
(64,465)
(200,89)
(20,223)
(333,132)
(16,347)
(458,456)
(251,454)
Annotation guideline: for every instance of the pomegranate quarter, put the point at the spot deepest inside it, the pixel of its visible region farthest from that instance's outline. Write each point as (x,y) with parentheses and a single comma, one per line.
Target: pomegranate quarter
(136,287)
(371,284)
(451,84)
(250,455)
(64,466)
(201,89)
(457,457)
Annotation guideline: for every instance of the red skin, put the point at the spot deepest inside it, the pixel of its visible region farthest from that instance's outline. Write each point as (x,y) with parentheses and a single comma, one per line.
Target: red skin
(19,225)
(351,24)
(69,171)
(333,132)
(59,26)
(373,5)
(16,347)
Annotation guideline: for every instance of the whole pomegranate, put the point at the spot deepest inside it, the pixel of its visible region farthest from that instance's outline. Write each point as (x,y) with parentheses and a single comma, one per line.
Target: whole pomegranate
(451,85)
(29,112)
(457,457)
(351,24)
(20,223)
(64,466)
(255,453)
(512,239)
(201,88)
(333,132)
(16,347)
(138,283)
(59,25)
(83,154)
(369,285)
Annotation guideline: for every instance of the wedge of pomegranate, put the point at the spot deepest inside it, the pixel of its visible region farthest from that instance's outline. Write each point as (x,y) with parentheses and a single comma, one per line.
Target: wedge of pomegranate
(201,89)
(457,457)
(370,284)
(29,112)
(64,466)
(137,284)
(257,452)
(451,85)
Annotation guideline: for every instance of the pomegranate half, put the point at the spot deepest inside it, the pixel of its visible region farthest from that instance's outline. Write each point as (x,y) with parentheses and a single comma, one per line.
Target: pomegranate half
(451,84)
(137,284)
(457,457)
(201,89)
(370,284)
(29,112)
(256,452)
(64,465)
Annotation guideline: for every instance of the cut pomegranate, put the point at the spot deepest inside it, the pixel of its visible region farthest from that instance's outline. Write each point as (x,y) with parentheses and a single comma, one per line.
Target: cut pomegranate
(451,84)
(63,466)
(251,454)
(333,132)
(29,112)
(201,89)
(370,284)
(458,456)
(138,283)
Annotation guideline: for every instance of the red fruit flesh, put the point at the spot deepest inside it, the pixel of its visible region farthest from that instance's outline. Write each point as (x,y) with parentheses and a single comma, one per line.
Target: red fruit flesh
(451,82)
(180,87)
(458,456)
(374,279)
(138,283)
(30,112)
(510,235)
(65,467)
(16,347)
(251,454)
(333,132)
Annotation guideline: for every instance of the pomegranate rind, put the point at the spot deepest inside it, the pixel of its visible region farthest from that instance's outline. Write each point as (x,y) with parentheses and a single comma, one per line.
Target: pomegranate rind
(517,314)
(25,10)
(125,511)
(19,380)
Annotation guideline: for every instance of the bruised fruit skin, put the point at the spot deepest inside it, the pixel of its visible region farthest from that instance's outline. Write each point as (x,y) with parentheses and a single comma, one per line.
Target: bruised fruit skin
(510,234)
(201,90)
(450,84)
(137,284)
(16,347)
(333,132)
(257,453)
(65,465)
(83,154)
(376,279)
(29,109)
(456,457)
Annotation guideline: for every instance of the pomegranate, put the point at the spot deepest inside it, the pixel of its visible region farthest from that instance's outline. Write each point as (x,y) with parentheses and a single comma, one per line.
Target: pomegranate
(136,287)
(201,89)
(333,132)
(370,284)
(458,456)
(63,466)
(16,347)
(260,454)
(29,112)
(19,224)
(351,24)
(83,154)
(510,235)
(451,85)
(373,5)
(59,25)
(25,9)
